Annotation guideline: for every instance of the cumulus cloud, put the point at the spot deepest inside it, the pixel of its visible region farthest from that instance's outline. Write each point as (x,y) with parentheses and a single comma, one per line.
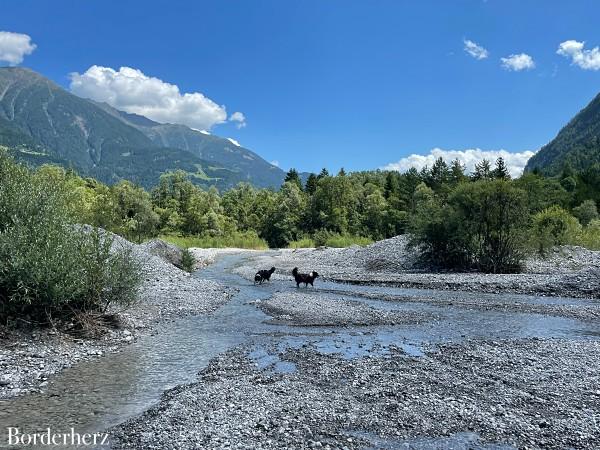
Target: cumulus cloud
(475,50)
(132,91)
(239,118)
(519,62)
(586,59)
(14,47)
(515,162)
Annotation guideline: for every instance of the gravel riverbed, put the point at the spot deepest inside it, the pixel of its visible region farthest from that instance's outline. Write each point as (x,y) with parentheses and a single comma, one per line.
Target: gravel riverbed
(28,357)
(457,392)
(528,393)
(322,310)
(566,271)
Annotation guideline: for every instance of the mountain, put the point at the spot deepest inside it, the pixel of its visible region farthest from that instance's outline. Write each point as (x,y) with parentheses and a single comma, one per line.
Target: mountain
(43,123)
(220,152)
(577,144)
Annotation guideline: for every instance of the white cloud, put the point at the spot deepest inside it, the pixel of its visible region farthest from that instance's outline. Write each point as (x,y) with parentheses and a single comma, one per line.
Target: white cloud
(234,142)
(132,91)
(519,62)
(14,47)
(239,118)
(275,163)
(515,162)
(475,50)
(586,59)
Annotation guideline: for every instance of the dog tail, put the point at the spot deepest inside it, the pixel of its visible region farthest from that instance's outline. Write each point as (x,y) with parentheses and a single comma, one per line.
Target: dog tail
(272,270)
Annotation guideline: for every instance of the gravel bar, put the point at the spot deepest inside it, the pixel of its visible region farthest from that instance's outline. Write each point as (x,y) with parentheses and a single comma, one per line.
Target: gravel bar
(302,309)
(566,271)
(528,393)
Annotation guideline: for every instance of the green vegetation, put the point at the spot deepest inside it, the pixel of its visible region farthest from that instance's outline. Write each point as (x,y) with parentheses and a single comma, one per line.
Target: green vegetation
(187,260)
(554,226)
(48,125)
(248,240)
(302,243)
(577,145)
(484,221)
(479,225)
(50,267)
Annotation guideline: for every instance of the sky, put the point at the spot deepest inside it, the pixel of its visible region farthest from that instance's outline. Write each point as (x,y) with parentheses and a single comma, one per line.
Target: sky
(327,83)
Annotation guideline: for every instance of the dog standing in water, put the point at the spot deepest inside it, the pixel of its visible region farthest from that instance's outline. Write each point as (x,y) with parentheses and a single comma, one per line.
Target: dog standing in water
(263,275)
(306,278)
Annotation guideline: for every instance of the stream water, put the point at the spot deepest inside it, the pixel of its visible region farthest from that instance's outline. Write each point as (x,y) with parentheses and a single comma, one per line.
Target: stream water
(97,394)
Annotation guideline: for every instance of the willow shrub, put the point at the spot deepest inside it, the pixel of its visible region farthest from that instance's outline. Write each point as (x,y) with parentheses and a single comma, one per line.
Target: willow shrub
(554,226)
(480,226)
(48,266)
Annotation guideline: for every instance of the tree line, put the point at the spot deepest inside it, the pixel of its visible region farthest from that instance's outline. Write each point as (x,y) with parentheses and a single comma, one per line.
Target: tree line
(484,220)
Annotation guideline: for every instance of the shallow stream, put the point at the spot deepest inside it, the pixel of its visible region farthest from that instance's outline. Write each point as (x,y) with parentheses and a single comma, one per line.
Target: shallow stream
(97,394)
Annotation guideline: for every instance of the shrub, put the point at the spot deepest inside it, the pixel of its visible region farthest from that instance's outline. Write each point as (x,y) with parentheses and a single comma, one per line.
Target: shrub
(590,236)
(48,266)
(554,226)
(188,262)
(320,237)
(480,226)
(586,212)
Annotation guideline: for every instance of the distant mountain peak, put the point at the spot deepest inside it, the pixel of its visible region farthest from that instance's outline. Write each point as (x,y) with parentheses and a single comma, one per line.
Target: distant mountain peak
(43,123)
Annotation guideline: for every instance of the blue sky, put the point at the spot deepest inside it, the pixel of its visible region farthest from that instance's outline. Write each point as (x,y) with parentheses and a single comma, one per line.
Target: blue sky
(328,83)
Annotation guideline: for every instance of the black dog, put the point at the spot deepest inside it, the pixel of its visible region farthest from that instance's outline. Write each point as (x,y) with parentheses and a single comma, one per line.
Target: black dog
(306,278)
(263,275)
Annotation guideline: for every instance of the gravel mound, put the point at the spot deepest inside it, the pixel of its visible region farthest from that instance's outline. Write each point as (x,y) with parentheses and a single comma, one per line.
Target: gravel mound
(168,252)
(324,310)
(389,255)
(527,393)
(564,259)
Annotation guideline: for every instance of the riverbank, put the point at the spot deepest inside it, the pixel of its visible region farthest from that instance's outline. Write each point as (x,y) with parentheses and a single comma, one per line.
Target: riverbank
(349,367)
(531,393)
(30,355)
(566,271)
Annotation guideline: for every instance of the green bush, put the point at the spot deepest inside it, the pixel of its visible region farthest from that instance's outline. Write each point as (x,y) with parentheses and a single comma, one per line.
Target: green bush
(554,226)
(590,235)
(586,212)
(480,226)
(321,237)
(188,262)
(49,266)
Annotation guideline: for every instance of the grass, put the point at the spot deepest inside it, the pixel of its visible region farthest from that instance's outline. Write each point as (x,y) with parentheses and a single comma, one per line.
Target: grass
(332,240)
(346,240)
(302,243)
(237,240)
